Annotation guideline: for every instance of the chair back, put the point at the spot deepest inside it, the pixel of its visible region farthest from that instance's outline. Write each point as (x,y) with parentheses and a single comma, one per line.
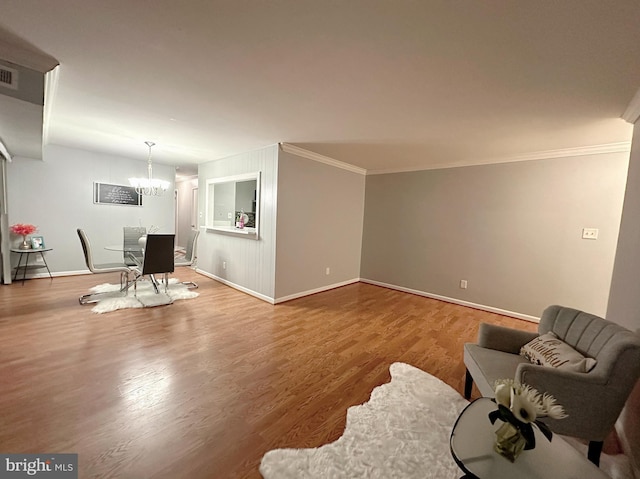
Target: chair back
(191,251)
(86,248)
(132,250)
(158,254)
(595,404)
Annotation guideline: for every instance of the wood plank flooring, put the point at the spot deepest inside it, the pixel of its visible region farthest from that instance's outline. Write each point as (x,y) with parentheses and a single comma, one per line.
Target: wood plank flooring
(203,388)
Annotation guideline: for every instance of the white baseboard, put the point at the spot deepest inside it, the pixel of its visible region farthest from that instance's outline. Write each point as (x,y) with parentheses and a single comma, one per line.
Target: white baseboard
(66,273)
(46,275)
(276,300)
(316,290)
(469,304)
(301,294)
(236,286)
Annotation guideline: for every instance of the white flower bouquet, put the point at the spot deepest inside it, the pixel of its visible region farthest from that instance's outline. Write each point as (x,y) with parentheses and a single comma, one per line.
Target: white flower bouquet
(522,406)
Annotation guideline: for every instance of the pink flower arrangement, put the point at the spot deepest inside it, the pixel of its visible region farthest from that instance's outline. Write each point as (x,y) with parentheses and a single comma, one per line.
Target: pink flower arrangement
(23,229)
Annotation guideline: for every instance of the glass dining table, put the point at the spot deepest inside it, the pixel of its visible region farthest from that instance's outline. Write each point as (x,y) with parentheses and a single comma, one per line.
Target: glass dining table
(134,253)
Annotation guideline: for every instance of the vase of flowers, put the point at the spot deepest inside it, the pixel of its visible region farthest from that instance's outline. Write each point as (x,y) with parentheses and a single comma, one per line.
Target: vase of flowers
(520,407)
(23,230)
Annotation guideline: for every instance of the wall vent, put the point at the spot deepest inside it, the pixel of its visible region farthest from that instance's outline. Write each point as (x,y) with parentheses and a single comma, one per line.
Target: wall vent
(8,77)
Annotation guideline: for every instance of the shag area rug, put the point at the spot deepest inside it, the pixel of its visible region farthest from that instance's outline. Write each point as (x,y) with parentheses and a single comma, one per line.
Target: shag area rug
(401,432)
(145,297)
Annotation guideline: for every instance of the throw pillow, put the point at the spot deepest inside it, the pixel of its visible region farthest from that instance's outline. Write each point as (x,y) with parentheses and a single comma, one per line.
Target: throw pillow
(548,350)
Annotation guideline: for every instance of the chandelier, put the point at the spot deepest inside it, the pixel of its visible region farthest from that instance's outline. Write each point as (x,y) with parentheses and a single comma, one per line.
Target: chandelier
(149,186)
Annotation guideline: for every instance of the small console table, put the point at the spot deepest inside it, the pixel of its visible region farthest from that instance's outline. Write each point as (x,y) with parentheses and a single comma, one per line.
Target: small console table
(472,441)
(26,266)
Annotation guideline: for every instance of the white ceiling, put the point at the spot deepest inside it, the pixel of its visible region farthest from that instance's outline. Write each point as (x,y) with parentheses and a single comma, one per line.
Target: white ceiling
(380,84)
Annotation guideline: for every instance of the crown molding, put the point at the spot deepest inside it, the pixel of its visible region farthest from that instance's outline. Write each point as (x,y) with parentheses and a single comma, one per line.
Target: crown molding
(310,155)
(620,147)
(4,152)
(50,92)
(632,113)
(35,60)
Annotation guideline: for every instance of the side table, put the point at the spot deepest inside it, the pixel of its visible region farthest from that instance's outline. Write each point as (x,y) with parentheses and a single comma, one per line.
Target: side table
(472,442)
(26,266)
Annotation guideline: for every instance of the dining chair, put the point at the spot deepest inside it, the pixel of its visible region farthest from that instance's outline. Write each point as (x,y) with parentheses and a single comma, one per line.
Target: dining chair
(190,255)
(121,268)
(157,259)
(132,251)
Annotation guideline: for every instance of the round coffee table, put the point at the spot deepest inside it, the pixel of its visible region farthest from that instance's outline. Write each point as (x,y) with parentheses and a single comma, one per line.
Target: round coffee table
(472,442)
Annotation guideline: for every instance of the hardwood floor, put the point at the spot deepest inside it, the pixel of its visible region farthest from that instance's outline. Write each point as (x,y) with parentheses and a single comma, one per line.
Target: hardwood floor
(203,388)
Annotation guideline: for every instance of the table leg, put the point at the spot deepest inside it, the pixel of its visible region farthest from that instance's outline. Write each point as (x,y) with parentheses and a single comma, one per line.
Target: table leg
(15,276)
(26,263)
(45,263)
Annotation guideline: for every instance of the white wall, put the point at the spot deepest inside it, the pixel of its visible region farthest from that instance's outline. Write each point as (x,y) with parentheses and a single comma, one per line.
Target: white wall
(319,226)
(513,231)
(624,298)
(624,301)
(250,263)
(56,194)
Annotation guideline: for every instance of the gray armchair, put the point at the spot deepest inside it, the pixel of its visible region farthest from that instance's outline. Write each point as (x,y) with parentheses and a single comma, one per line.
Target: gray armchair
(592,400)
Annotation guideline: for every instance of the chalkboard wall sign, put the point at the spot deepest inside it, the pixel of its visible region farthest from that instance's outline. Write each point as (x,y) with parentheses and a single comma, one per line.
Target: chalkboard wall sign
(107,194)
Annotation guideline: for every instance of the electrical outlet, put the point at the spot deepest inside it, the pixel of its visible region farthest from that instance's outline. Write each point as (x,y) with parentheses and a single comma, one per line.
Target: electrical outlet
(463,284)
(590,233)
(229,216)
(327,271)
(224,265)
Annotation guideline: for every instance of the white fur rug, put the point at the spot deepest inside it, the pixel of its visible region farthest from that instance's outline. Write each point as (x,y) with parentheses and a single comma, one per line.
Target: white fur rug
(146,296)
(401,432)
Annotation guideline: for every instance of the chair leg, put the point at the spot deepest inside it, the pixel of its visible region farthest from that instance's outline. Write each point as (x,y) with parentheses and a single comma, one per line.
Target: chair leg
(86,299)
(593,454)
(468,383)
(124,283)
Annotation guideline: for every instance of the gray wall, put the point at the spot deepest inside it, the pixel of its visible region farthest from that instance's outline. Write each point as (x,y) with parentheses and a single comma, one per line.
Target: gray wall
(320,213)
(513,231)
(57,195)
(250,263)
(624,298)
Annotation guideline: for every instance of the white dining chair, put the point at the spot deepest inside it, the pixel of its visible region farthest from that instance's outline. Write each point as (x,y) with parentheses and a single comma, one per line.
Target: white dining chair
(121,268)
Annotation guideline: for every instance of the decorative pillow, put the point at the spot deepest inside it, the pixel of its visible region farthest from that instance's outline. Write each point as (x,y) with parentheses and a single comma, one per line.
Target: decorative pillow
(548,350)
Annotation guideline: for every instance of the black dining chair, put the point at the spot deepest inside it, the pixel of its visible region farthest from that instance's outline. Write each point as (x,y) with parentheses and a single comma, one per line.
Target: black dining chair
(157,259)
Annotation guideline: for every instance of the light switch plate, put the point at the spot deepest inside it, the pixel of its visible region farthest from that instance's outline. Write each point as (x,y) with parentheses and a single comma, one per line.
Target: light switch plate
(590,233)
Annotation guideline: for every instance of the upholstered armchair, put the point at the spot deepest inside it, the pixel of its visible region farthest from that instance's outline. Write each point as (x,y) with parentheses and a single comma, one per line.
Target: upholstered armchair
(592,400)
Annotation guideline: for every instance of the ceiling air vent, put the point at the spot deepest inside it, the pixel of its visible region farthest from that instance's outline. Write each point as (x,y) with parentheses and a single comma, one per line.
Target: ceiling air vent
(8,77)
